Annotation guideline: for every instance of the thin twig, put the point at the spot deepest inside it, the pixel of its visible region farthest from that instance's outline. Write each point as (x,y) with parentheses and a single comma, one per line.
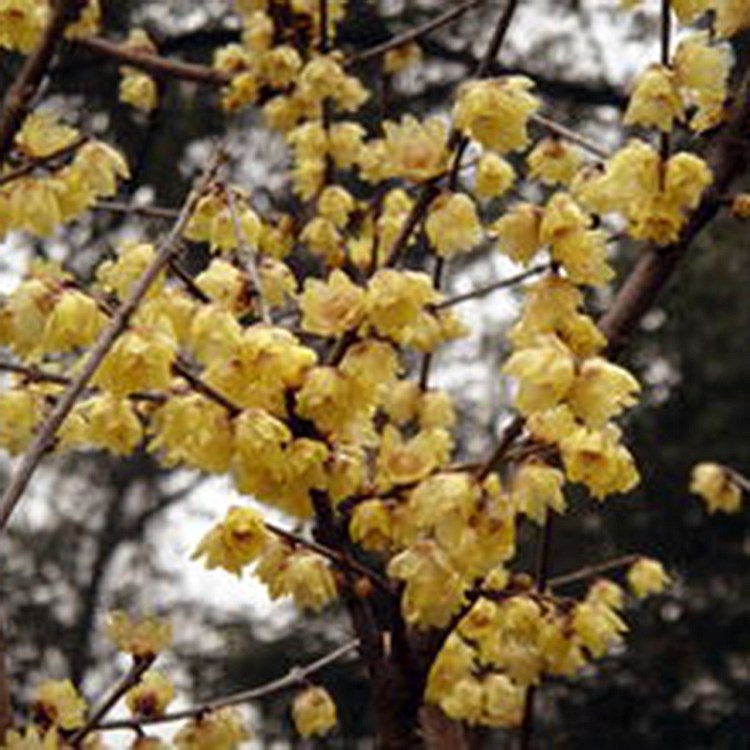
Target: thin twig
(508,436)
(412,35)
(155,65)
(591,571)
(483,291)
(739,479)
(24,471)
(43,161)
(133,209)
(293,678)
(570,135)
(251,256)
(18,100)
(129,680)
(665,141)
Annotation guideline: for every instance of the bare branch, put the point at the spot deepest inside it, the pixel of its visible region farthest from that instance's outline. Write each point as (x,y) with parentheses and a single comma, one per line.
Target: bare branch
(43,161)
(129,680)
(155,65)
(293,678)
(591,571)
(412,35)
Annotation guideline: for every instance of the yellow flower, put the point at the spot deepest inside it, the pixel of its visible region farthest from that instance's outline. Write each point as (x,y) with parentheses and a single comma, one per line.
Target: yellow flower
(332,307)
(601,391)
(517,232)
(732,16)
(455,660)
(119,277)
(31,739)
(687,177)
(142,639)
(407,461)
(309,581)
(464,701)
(598,627)
(324,239)
(656,100)
(402,401)
(717,487)
(336,204)
(314,712)
(647,576)
(21,24)
(42,134)
(495,176)
(554,161)
(277,282)
(99,166)
(452,225)
(436,410)
(371,525)
(597,459)
(223,729)
(537,488)
(58,702)
(702,72)
(545,373)
(278,67)
(235,542)
(194,430)
(75,322)
(496,112)
(396,300)
(34,206)
(434,590)
(140,360)
(345,143)
(403,57)
(151,696)
(415,151)
(214,334)
(113,424)
(225,285)
(21,411)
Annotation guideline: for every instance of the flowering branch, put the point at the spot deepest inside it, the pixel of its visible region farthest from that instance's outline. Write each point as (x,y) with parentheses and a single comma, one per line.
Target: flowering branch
(24,471)
(129,680)
(293,678)
(17,103)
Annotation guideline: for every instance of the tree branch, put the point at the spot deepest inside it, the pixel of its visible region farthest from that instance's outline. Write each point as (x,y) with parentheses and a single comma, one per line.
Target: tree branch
(293,678)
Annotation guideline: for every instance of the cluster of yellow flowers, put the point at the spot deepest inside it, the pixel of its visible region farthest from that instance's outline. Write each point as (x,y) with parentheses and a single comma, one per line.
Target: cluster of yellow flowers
(731,16)
(720,488)
(23,21)
(39,203)
(326,412)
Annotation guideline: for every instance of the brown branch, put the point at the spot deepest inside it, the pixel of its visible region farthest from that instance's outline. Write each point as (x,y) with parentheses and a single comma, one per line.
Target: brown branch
(133,209)
(412,35)
(155,65)
(43,161)
(591,571)
(483,291)
(129,680)
(18,100)
(567,134)
(294,677)
(512,430)
(25,470)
